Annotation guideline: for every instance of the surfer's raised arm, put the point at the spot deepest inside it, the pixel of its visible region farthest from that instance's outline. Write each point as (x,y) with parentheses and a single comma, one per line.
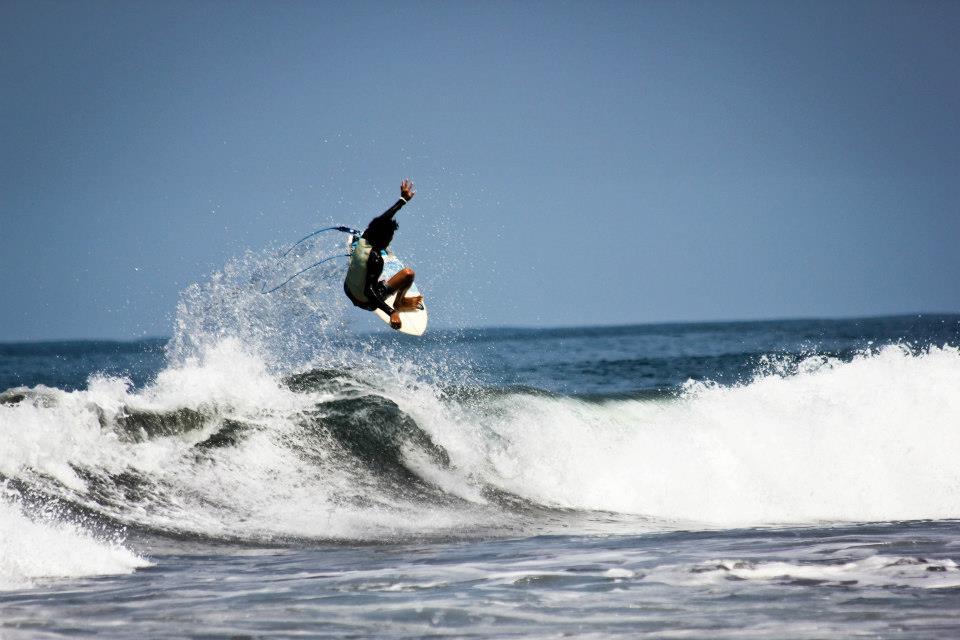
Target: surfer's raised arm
(407,191)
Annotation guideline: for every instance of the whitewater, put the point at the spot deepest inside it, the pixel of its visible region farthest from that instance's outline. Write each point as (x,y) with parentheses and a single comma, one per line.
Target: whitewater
(596,481)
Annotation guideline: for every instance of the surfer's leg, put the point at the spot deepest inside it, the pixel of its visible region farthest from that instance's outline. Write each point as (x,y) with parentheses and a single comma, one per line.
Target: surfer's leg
(402,279)
(401,283)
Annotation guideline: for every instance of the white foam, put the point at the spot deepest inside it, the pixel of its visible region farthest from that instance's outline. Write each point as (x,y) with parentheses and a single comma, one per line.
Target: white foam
(32,549)
(874,439)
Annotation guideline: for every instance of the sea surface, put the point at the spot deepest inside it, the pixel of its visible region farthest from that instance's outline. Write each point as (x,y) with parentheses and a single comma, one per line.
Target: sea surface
(268,472)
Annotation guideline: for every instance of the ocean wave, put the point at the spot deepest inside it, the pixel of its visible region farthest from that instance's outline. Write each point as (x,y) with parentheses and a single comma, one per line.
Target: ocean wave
(221,446)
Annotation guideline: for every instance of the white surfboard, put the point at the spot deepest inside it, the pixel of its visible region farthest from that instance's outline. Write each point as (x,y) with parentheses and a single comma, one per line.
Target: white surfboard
(414,322)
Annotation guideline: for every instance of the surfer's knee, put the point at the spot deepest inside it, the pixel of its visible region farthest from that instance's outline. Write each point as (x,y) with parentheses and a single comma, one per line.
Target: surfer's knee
(407,273)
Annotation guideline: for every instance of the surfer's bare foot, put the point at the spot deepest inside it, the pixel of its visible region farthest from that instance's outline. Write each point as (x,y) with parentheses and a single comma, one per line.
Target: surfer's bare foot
(409,304)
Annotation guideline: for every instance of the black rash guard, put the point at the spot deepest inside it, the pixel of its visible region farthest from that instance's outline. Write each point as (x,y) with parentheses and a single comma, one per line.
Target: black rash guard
(373,290)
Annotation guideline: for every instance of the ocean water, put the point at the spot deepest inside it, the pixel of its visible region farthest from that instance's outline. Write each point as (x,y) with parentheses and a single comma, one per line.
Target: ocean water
(269,472)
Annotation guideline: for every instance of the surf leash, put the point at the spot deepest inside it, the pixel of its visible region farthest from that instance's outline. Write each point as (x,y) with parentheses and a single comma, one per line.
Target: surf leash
(341,228)
(302,271)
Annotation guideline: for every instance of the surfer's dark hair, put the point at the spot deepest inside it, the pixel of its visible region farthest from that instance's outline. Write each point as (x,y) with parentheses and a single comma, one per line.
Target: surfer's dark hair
(379,232)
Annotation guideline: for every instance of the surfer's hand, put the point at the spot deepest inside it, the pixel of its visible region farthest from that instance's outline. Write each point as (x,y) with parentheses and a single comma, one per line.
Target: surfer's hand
(395,320)
(407,191)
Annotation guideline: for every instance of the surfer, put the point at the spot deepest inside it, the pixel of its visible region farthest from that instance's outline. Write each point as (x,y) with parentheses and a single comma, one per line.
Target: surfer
(363,284)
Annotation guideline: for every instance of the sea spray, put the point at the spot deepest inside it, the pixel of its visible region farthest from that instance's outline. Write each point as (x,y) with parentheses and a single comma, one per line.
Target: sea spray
(290,327)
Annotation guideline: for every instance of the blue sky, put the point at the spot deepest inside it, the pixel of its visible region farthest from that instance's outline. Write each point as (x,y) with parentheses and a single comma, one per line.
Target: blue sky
(577,163)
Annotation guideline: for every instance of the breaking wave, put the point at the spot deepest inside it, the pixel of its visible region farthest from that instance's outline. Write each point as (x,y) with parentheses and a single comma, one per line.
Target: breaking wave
(222,447)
